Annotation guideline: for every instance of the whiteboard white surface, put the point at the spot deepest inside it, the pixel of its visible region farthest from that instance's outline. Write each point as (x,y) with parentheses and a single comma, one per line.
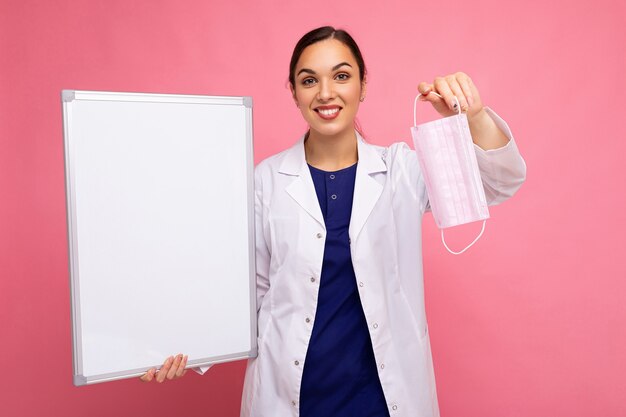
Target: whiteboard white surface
(160,230)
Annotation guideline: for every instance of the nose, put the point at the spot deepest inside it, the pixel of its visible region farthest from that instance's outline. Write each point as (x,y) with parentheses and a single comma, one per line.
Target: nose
(326,91)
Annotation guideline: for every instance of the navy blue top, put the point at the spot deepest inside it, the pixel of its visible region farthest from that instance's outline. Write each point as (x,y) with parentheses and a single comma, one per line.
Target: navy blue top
(339,378)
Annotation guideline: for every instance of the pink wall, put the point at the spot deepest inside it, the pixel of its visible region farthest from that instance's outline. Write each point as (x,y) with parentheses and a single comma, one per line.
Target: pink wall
(530,322)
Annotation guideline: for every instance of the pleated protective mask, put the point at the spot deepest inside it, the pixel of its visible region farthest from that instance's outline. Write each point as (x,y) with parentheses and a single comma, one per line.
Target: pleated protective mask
(446,156)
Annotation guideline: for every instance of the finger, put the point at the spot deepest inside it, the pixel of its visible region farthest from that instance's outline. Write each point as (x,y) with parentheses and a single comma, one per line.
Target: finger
(424,88)
(458,92)
(172,371)
(149,375)
(181,368)
(467,89)
(441,85)
(162,373)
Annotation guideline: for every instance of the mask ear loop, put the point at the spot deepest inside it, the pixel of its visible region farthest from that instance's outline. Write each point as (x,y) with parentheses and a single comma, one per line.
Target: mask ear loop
(415,105)
(468,246)
(458,106)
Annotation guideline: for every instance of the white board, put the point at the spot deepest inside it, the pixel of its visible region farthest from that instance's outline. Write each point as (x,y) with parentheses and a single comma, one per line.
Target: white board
(160,215)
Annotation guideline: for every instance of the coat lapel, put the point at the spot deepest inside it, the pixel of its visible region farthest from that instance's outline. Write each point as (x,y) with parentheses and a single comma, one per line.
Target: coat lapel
(301,188)
(367,190)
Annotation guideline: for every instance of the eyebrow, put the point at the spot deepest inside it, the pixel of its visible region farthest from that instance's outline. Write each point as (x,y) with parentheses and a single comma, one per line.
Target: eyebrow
(336,67)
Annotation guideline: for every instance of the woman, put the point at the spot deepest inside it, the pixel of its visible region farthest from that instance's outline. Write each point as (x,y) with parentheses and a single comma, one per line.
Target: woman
(342,325)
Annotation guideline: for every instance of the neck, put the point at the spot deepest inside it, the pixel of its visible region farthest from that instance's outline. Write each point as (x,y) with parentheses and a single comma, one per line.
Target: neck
(331,153)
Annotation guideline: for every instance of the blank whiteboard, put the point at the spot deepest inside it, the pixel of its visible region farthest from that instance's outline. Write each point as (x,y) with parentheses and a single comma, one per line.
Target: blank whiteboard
(160,216)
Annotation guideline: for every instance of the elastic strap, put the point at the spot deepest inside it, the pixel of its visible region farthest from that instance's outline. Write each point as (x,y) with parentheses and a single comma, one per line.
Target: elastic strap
(458,105)
(458,253)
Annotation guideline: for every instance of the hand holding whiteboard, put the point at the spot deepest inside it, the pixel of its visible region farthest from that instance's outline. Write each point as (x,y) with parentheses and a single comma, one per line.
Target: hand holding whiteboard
(160,230)
(172,368)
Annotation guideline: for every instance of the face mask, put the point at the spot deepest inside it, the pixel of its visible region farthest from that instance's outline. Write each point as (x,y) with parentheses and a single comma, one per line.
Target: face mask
(446,155)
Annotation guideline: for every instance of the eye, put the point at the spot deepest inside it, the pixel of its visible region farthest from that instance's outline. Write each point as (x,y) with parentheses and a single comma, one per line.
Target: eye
(342,76)
(308,81)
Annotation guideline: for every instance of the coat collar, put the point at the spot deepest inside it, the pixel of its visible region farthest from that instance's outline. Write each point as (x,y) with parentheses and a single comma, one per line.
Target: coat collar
(367,190)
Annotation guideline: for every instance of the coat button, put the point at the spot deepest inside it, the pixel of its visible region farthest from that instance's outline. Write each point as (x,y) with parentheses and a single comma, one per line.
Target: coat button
(361,284)
(312,279)
(296,363)
(308,320)
(394,407)
(375,325)
(332,176)
(382,366)
(334,196)
(319,235)
(293,403)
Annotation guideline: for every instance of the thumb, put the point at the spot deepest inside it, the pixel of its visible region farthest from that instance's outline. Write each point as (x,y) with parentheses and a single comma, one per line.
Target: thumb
(429,95)
(425,90)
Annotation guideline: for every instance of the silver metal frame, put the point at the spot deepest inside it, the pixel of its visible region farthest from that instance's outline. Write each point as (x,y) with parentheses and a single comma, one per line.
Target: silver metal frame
(69,96)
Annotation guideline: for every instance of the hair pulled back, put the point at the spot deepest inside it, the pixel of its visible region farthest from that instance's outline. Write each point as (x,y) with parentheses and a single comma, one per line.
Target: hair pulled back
(321,34)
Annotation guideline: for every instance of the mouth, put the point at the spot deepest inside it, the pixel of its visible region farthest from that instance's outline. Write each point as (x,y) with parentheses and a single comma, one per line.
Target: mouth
(328,112)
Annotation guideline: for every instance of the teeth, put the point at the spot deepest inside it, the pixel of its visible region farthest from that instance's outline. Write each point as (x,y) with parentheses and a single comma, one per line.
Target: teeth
(328,112)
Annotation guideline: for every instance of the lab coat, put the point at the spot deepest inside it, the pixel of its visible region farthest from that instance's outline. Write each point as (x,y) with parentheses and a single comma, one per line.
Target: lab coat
(385,242)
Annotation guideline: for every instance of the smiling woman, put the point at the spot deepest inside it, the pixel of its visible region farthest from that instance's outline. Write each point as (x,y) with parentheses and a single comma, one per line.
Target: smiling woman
(341,320)
(327,79)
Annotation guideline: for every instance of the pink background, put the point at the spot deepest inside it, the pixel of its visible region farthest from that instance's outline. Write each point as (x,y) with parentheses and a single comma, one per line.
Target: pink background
(530,322)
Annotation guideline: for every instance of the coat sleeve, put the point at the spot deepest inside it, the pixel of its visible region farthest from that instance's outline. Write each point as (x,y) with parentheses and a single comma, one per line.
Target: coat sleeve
(502,170)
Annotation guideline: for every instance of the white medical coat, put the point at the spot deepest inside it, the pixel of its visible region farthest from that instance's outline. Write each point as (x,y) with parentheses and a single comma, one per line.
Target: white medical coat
(385,234)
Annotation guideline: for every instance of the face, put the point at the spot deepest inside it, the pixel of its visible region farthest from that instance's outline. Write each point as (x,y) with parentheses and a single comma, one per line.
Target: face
(327,88)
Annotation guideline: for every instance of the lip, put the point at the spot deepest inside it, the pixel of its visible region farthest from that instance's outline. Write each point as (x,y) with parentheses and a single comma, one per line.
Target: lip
(328,116)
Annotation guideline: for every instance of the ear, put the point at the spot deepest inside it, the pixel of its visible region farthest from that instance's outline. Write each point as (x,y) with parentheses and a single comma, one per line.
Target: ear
(363,88)
(293,94)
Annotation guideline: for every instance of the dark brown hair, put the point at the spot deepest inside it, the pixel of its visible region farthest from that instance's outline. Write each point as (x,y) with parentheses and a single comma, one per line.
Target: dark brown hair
(320,34)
